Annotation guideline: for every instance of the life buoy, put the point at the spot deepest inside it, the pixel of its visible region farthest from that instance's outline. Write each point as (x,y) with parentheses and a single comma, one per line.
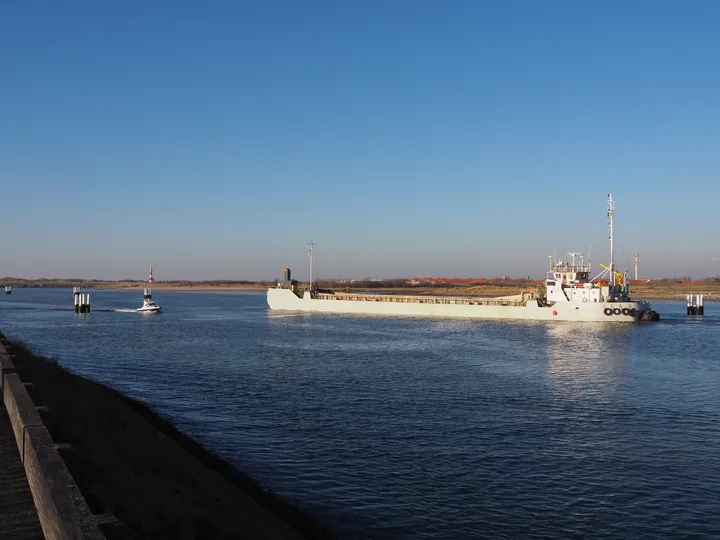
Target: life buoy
(554,312)
(608,311)
(617,311)
(626,311)
(584,299)
(633,312)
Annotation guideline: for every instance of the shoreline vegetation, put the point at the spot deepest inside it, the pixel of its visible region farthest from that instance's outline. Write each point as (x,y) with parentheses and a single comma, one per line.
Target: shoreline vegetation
(657,289)
(154,481)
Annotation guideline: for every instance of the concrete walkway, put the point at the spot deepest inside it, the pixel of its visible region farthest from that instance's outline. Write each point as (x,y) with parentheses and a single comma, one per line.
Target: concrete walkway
(18,516)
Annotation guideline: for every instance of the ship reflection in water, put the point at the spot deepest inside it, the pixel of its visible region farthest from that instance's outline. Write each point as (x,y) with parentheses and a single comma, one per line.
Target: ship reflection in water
(583,361)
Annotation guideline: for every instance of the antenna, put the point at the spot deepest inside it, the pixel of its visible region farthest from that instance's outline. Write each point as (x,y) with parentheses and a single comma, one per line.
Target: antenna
(637,256)
(611,207)
(310,247)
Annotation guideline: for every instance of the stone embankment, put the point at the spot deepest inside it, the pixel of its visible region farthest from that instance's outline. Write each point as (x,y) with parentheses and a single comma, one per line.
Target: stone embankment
(60,507)
(101,465)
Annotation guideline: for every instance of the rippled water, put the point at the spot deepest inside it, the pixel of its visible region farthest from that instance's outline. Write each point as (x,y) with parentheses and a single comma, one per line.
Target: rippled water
(423,428)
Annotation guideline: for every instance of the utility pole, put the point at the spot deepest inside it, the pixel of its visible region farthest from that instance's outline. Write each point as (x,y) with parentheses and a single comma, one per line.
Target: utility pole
(310,246)
(637,256)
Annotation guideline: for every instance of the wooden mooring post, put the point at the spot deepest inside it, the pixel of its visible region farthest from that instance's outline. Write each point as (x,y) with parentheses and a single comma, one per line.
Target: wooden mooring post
(695,304)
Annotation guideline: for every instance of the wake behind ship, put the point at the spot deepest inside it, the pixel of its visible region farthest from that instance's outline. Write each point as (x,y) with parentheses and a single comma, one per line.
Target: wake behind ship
(569,295)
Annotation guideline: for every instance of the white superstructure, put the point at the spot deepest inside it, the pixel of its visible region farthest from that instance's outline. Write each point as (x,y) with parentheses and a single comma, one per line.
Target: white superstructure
(570,295)
(148,305)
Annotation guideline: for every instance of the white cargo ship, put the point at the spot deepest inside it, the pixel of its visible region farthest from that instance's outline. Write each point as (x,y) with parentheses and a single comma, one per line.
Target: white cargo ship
(570,295)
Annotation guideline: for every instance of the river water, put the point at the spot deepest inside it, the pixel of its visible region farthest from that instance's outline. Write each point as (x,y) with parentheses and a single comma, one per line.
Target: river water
(422,428)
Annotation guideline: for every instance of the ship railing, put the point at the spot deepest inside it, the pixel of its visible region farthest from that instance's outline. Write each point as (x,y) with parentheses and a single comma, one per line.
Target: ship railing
(580,269)
(463,301)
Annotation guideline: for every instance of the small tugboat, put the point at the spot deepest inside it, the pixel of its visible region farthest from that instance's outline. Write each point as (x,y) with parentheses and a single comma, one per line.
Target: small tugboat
(148,305)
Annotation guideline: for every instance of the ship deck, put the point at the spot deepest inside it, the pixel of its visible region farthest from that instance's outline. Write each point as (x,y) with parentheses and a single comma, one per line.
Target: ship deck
(409,299)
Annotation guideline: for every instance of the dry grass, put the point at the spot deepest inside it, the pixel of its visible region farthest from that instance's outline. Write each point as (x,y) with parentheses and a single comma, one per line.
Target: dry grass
(136,285)
(131,462)
(648,291)
(675,291)
(184,285)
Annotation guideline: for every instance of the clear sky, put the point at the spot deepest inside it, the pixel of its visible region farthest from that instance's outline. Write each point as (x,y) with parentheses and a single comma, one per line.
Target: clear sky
(405,137)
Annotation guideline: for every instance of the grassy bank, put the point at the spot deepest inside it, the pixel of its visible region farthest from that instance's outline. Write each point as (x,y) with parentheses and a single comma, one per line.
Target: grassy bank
(185,285)
(660,290)
(645,291)
(132,463)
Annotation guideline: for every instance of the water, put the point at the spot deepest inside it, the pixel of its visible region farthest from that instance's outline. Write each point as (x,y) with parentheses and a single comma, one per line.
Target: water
(423,428)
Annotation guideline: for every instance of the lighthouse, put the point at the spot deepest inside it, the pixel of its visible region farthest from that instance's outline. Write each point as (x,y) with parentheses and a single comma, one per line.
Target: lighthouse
(150,278)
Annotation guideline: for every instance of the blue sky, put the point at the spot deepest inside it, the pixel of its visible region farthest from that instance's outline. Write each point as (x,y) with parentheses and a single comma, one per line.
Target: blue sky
(405,138)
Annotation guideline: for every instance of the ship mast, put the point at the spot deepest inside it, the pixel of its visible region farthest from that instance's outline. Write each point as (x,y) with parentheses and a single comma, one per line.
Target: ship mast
(310,246)
(611,206)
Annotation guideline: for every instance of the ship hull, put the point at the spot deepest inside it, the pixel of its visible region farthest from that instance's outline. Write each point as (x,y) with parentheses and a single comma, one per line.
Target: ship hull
(285,299)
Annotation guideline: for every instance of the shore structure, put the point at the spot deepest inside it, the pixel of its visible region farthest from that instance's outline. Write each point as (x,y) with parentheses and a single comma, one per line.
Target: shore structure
(80,461)
(56,509)
(570,295)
